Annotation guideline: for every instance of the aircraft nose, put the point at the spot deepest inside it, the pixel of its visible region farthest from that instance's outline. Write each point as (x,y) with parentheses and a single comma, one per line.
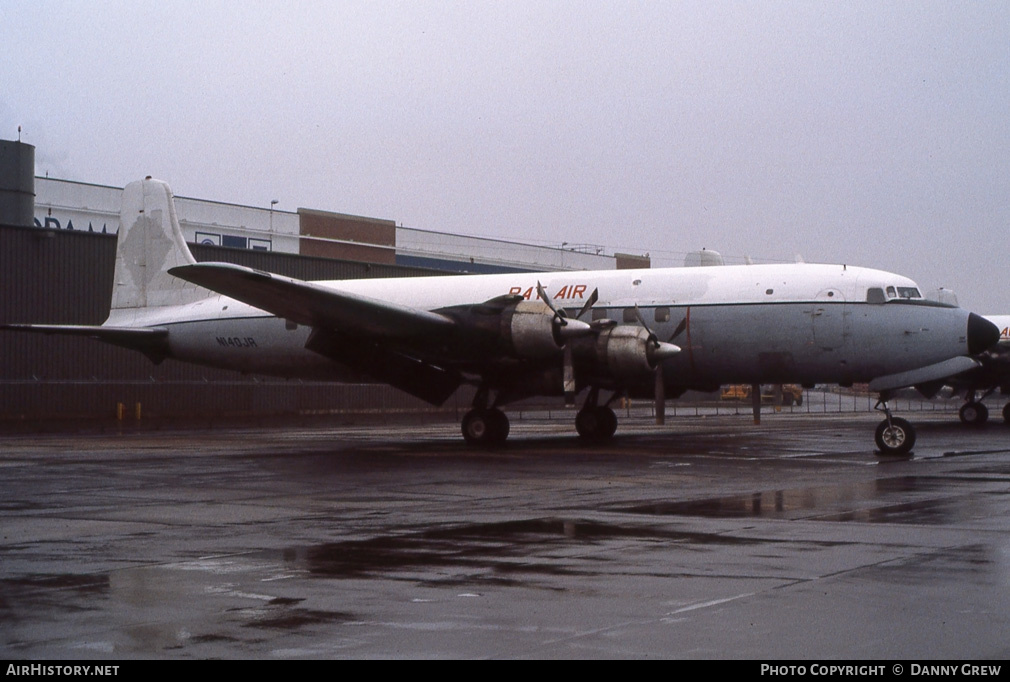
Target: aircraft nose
(982,334)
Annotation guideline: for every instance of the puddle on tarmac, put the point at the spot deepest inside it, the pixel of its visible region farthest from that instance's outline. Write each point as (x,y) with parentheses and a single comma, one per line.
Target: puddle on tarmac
(43,590)
(850,502)
(291,619)
(506,548)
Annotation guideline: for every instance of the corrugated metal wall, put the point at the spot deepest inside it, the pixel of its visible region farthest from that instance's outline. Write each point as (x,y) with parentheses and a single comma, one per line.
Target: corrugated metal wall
(65,277)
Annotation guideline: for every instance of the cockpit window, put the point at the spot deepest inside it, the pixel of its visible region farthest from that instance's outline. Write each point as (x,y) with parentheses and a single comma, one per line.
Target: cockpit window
(892,294)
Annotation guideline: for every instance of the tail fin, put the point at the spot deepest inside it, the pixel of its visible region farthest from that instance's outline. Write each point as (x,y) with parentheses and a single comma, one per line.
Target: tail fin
(150,242)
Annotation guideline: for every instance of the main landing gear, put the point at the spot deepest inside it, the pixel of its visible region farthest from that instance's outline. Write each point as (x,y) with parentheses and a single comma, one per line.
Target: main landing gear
(485,426)
(594,422)
(489,426)
(974,413)
(894,436)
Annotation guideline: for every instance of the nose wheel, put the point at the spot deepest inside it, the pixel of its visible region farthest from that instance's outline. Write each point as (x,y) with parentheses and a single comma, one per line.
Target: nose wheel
(894,436)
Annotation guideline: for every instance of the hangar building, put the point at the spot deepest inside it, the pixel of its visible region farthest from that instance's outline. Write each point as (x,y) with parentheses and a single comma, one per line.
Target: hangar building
(68,205)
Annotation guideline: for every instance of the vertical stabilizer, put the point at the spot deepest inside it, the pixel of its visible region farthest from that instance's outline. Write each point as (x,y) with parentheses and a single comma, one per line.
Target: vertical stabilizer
(150,242)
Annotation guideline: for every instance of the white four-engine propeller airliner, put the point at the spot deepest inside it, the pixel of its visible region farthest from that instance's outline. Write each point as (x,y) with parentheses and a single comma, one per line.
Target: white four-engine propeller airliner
(650,332)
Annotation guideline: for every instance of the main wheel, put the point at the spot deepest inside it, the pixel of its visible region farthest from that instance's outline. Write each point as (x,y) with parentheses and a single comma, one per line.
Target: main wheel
(596,424)
(974,413)
(475,427)
(499,422)
(609,421)
(485,427)
(896,437)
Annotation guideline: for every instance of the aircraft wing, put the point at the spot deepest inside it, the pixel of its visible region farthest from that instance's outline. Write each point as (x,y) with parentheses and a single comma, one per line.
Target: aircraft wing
(310,304)
(923,375)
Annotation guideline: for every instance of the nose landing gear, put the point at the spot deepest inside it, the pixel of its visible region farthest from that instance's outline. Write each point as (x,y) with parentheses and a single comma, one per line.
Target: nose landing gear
(894,436)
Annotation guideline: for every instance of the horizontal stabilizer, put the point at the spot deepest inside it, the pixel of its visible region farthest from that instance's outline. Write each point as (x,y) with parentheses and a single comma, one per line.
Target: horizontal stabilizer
(314,305)
(151,341)
(922,375)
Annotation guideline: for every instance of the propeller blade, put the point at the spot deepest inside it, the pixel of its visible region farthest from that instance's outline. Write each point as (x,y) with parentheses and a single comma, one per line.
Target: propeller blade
(542,293)
(660,396)
(568,374)
(679,330)
(641,321)
(590,302)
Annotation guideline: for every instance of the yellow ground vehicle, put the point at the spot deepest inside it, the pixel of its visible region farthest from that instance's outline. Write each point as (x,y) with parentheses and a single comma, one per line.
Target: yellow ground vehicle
(791,393)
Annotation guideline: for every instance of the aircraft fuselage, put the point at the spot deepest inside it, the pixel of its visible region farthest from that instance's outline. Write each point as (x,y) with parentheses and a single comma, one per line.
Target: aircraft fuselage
(735,324)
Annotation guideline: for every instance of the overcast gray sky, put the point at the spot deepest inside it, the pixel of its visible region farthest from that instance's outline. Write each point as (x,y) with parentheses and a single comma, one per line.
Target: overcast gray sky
(869,133)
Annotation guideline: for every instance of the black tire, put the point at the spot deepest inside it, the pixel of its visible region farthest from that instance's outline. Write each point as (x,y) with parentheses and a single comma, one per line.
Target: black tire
(587,423)
(895,438)
(485,427)
(609,421)
(475,427)
(974,413)
(500,426)
(596,424)
(1006,414)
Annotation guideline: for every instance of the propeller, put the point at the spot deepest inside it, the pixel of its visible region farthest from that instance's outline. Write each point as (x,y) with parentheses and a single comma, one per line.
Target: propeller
(567,329)
(659,351)
(564,327)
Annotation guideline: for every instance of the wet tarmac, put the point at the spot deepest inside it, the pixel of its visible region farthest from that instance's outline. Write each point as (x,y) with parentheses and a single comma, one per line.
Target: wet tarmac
(706,538)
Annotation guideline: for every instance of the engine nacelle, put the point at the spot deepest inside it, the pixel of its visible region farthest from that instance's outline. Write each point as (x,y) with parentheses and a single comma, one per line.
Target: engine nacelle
(510,326)
(625,353)
(531,330)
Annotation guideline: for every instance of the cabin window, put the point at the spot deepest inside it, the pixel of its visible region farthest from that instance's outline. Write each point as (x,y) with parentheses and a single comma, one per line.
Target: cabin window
(875,295)
(290,326)
(599,314)
(630,315)
(662,315)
